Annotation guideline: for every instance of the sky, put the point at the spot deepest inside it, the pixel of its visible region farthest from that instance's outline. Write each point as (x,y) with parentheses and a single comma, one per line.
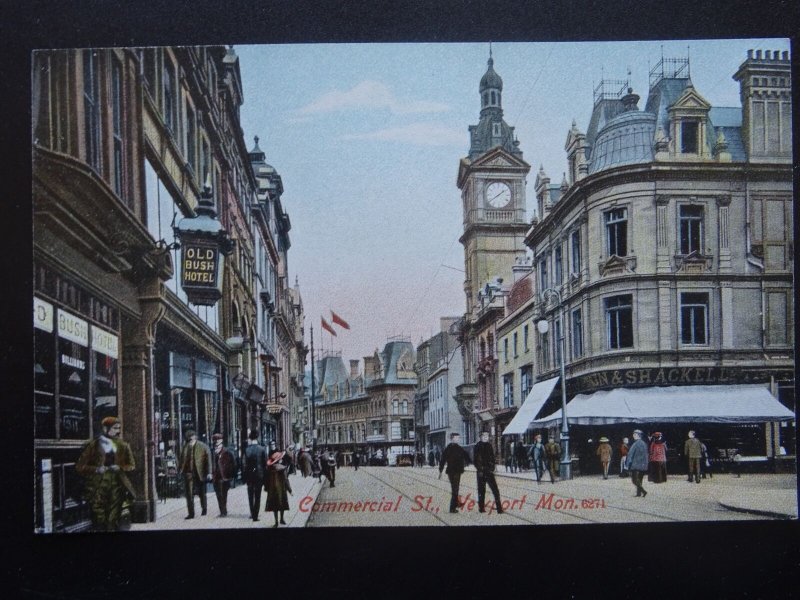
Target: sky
(367,139)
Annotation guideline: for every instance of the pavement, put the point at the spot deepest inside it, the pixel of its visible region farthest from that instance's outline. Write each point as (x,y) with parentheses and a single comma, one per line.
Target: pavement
(765,494)
(171,512)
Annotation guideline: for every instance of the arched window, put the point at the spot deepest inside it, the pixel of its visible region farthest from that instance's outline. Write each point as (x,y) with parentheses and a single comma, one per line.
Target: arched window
(494,98)
(395,406)
(405,407)
(485,98)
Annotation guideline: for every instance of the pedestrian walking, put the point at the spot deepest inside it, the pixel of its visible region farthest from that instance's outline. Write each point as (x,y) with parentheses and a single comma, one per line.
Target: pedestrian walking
(484,462)
(317,467)
(455,458)
(604,452)
(736,463)
(706,466)
(196,469)
(255,464)
(223,471)
(277,486)
(105,462)
(356,460)
(636,462)
(521,454)
(538,456)
(658,458)
(693,450)
(552,453)
(305,462)
(329,467)
(623,454)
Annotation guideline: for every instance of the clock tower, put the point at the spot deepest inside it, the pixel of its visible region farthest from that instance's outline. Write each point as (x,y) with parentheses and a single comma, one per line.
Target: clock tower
(492,183)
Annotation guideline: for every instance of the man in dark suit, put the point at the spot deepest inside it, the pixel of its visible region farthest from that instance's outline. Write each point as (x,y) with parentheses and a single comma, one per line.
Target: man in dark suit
(455,457)
(255,461)
(224,470)
(196,469)
(484,465)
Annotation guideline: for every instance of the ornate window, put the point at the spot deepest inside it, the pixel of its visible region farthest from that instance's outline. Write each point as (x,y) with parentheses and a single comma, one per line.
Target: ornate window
(617,232)
(691,228)
(619,321)
(694,318)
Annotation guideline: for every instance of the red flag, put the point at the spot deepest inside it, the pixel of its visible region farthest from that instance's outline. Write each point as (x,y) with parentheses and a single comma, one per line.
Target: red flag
(339,320)
(327,327)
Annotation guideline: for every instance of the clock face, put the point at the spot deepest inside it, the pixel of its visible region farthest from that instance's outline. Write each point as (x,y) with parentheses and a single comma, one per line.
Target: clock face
(498,194)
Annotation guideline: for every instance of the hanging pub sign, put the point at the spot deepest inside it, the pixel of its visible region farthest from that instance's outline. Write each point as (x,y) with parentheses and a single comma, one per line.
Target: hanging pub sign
(203,243)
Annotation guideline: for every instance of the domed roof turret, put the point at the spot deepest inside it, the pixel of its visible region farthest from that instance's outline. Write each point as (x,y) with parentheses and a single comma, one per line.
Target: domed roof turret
(490,79)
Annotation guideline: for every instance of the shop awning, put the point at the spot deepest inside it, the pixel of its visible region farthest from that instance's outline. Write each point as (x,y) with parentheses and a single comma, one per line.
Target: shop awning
(748,403)
(533,404)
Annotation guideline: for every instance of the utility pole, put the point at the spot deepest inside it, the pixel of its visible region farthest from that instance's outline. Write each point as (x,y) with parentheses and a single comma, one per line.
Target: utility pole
(313,416)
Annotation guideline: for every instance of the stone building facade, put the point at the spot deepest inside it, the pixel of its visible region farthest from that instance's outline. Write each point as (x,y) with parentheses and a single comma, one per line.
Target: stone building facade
(670,242)
(125,140)
(370,412)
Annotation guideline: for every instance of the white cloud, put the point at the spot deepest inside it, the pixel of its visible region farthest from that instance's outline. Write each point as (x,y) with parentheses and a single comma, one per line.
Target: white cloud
(369,95)
(423,134)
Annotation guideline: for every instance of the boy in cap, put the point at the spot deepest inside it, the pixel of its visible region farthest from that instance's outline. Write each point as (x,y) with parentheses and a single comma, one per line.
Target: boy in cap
(104,463)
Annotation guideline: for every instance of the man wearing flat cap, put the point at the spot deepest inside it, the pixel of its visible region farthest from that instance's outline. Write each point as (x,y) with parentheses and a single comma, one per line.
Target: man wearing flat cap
(104,463)
(196,469)
(224,470)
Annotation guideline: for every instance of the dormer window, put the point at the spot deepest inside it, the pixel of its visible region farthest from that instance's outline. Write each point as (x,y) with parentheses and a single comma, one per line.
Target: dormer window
(689,136)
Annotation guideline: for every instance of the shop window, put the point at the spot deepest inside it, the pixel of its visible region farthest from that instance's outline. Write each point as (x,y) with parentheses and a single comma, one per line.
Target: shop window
(44,371)
(73,382)
(694,318)
(691,228)
(619,322)
(617,232)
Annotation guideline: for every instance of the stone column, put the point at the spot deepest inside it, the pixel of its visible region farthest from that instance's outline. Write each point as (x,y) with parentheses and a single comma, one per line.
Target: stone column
(136,403)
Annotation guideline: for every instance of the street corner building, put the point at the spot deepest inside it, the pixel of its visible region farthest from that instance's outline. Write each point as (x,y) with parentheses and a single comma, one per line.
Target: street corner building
(661,260)
(161,289)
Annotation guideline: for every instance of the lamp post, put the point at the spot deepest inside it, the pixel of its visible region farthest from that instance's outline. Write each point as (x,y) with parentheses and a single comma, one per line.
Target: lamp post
(542,326)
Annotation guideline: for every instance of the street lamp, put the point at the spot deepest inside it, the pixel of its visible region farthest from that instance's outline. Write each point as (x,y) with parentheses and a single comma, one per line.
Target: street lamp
(542,326)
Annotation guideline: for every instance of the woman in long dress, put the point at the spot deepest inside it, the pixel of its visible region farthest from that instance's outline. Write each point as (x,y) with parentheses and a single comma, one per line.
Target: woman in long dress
(277,486)
(658,458)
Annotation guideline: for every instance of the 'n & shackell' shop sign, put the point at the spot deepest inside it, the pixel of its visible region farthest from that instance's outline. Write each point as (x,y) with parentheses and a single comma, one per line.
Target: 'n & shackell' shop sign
(669,376)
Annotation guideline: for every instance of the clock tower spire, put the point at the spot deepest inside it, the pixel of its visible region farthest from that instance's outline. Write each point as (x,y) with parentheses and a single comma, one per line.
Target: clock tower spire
(492,183)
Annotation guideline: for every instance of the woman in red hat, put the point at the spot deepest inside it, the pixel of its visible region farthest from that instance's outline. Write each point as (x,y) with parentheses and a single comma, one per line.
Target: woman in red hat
(277,486)
(658,458)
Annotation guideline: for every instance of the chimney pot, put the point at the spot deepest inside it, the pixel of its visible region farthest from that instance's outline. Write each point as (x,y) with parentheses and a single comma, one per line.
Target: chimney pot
(758,54)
